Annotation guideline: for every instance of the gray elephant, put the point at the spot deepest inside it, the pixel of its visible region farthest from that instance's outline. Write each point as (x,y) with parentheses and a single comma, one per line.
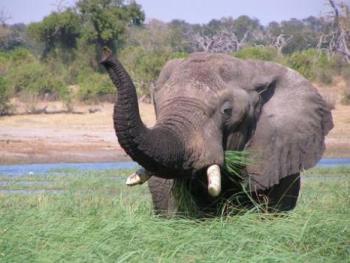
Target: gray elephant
(207,104)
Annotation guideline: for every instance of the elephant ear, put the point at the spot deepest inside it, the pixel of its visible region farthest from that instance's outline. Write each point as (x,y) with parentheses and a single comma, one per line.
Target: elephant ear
(290,129)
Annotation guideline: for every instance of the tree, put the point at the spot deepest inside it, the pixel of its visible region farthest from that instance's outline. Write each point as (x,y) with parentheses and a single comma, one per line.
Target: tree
(228,34)
(153,36)
(11,36)
(3,17)
(58,30)
(244,25)
(340,36)
(222,42)
(181,36)
(5,32)
(4,97)
(294,34)
(105,21)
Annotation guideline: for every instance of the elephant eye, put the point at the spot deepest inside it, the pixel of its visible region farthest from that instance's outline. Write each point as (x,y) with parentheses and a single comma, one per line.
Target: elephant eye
(226,109)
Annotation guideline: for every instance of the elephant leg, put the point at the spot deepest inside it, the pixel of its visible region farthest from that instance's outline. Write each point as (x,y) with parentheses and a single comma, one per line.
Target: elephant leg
(283,196)
(162,197)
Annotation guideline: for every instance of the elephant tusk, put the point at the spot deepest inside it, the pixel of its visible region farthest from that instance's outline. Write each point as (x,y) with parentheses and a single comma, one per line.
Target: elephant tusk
(139,177)
(214,180)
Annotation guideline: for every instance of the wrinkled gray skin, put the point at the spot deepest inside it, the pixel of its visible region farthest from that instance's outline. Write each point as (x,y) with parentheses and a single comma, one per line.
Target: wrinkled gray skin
(209,103)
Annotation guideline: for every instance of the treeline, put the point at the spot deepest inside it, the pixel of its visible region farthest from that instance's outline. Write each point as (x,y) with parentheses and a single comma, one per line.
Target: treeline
(57,58)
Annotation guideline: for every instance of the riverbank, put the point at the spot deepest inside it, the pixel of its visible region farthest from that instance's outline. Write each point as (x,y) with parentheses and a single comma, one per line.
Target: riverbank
(53,138)
(89,136)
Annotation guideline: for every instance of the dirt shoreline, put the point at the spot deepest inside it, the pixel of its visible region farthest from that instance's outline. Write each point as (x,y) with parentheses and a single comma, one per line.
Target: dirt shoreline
(90,137)
(68,138)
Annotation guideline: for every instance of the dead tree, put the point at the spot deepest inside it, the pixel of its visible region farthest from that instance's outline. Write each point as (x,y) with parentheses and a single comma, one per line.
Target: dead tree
(222,42)
(340,35)
(60,5)
(280,42)
(4,17)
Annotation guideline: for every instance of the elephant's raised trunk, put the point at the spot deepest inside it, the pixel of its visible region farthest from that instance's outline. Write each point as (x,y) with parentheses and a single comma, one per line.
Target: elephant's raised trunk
(158,149)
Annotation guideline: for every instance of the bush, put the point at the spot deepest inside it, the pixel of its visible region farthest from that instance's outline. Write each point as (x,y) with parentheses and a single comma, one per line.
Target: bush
(28,76)
(346,97)
(95,87)
(4,97)
(144,66)
(345,73)
(21,55)
(35,78)
(14,58)
(261,53)
(313,65)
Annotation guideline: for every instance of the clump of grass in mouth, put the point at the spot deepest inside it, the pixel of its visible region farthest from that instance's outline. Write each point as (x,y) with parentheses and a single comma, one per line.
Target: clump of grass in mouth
(234,162)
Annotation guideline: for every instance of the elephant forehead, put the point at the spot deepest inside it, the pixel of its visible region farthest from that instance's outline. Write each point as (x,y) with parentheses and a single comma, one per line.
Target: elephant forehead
(199,85)
(214,69)
(207,73)
(199,78)
(187,100)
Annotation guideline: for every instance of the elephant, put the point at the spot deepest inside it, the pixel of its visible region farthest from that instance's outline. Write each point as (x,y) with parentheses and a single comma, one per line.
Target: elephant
(207,104)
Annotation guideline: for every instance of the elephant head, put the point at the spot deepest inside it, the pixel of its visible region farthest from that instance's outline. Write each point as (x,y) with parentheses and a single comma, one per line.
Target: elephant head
(209,103)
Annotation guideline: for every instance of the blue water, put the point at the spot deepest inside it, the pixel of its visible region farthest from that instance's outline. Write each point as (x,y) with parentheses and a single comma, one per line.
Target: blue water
(334,162)
(29,169)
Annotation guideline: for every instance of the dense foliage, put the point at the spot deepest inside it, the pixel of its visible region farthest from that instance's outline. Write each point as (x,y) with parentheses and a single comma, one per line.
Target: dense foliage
(58,31)
(45,59)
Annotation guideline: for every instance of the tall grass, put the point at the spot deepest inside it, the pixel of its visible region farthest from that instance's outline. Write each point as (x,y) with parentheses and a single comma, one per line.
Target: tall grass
(98,219)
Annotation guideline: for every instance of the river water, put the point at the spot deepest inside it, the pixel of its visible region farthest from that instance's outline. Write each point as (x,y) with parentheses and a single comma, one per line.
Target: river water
(42,187)
(29,169)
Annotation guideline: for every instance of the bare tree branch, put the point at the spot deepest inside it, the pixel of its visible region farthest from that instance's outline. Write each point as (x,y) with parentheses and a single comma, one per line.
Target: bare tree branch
(4,17)
(222,42)
(338,41)
(60,5)
(281,41)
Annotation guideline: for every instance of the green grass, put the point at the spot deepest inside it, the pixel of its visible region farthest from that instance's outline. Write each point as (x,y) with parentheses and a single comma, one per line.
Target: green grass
(98,219)
(234,161)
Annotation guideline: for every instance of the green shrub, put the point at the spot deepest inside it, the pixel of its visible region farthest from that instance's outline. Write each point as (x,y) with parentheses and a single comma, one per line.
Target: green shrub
(21,55)
(144,66)
(345,73)
(313,65)
(13,58)
(35,78)
(261,53)
(95,87)
(4,97)
(4,60)
(175,55)
(85,60)
(303,63)
(25,74)
(346,97)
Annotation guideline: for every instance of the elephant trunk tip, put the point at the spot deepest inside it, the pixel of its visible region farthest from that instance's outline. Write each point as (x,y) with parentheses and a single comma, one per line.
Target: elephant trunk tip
(107,55)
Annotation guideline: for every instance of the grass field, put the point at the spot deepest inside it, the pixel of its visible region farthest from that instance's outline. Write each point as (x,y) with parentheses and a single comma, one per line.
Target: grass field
(93,217)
